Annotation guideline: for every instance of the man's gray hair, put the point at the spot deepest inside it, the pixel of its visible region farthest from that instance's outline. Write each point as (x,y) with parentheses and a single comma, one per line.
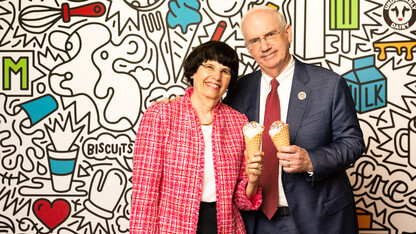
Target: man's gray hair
(279,16)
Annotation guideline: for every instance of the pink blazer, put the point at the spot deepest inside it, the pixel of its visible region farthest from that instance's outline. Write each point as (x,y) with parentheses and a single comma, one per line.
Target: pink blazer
(168,169)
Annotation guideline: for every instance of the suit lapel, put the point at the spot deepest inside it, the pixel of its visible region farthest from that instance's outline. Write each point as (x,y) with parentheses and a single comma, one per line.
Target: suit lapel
(252,99)
(299,98)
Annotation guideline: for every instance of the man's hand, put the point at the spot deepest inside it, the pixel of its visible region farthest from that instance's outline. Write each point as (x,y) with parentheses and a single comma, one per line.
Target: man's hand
(294,159)
(166,100)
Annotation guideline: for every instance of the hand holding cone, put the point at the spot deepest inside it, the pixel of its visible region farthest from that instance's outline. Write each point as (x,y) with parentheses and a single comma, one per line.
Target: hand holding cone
(279,132)
(253,135)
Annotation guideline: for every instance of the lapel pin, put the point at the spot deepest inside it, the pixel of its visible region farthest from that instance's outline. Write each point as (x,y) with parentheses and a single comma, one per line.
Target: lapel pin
(301,95)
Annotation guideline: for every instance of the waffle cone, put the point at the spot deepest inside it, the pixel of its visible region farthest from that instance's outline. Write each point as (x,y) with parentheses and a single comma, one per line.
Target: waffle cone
(181,45)
(253,144)
(282,138)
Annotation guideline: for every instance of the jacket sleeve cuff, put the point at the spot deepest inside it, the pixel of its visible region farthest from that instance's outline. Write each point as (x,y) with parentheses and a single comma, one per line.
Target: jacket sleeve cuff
(242,202)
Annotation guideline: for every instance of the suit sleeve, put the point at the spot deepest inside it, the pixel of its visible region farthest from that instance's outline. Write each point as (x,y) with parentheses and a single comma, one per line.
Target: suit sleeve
(347,140)
(147,167)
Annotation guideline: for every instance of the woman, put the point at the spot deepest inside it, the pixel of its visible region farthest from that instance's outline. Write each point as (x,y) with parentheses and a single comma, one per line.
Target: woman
(189,172)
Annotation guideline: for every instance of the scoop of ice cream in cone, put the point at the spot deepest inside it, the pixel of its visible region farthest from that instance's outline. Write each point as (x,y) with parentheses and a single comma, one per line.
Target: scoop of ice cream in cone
(279,132)
(253,135)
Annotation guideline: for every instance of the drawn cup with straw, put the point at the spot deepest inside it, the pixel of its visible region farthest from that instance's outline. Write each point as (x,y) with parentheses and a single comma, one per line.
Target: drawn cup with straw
(62,155)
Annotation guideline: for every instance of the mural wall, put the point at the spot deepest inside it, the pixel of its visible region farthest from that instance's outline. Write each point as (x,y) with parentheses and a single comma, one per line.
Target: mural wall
(76,76)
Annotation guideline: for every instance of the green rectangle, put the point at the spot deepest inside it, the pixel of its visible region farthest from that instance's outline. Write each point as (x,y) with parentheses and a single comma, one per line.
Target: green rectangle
(344,14)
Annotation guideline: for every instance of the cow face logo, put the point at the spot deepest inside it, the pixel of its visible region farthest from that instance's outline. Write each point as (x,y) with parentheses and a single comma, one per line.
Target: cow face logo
(400,14)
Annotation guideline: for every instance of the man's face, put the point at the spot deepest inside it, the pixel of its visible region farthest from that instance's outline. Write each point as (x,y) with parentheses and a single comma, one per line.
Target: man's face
(271,55)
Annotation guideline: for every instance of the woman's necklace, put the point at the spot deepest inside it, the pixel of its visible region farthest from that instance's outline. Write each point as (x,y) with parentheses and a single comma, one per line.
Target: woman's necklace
(207,124)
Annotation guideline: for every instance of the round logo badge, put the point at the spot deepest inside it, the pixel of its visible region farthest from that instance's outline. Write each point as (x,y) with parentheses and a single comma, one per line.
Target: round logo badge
(301,95)
(400,14)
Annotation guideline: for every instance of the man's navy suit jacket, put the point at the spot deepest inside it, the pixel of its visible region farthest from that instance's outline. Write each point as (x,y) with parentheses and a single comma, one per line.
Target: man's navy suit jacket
(325,124)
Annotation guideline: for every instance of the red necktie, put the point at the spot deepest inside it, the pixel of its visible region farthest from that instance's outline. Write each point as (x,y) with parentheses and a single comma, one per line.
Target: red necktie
(269,176)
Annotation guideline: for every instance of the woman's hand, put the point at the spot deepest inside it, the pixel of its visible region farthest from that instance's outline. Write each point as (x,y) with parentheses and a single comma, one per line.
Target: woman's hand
(254,167)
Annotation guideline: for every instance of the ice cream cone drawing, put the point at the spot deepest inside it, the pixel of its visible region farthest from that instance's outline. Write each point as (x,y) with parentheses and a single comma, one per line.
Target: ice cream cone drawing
(183,20)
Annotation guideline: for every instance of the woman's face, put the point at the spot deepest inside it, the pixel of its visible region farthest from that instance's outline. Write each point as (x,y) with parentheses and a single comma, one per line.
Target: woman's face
(211,80)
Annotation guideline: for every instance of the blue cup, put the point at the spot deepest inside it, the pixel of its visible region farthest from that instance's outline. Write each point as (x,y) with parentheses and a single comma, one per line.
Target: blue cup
(39,108)
(61,166)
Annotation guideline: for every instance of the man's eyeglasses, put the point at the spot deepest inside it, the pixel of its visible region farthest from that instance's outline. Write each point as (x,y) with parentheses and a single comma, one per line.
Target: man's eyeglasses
(269,37)
(226,73)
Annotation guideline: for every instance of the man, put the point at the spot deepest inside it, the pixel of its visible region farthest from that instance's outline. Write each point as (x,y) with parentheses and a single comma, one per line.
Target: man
(314,194)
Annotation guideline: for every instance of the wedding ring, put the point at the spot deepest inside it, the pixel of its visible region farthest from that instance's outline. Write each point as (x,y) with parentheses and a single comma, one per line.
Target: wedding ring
(261,168)
(288,163)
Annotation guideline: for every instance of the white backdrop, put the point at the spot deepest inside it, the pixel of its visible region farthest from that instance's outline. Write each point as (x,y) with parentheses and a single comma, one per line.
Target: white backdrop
(78,74)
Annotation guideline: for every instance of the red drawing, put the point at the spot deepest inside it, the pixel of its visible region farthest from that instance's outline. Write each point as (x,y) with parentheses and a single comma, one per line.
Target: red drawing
(219,31)
(93,9)
(53,214)
(38,19)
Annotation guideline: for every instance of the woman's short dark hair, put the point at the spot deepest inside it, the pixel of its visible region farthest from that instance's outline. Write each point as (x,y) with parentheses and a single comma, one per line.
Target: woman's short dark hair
(211,50)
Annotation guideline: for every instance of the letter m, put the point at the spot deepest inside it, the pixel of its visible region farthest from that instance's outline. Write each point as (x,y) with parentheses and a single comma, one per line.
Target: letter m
(19,67)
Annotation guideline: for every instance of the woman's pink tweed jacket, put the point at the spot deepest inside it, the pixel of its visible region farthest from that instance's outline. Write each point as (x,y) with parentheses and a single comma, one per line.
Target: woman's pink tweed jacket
(168,168)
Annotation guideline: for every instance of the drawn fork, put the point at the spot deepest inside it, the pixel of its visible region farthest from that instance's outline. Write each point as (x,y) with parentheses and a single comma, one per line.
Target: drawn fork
(155,30)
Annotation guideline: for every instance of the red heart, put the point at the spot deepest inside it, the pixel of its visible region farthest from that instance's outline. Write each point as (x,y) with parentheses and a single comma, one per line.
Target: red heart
(400,19)
(51,214)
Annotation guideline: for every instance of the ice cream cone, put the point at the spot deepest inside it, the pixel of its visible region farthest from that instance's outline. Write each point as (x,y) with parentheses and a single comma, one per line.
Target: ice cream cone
(253,135)
(253,144)
(282,138)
